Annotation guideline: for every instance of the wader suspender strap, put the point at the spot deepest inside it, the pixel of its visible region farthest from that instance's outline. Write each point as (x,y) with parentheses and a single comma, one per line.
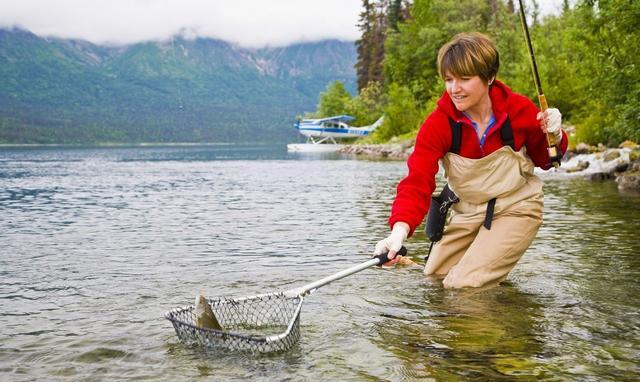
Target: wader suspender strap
(506,133)
(456,136)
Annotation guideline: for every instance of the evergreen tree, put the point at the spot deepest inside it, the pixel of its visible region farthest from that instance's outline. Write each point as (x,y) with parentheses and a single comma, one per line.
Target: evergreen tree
(377,19)
(395,14)
(364,44)
(378,37)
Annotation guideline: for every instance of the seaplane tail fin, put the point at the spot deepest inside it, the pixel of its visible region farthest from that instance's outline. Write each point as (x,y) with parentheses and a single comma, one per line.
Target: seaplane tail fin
(377,123)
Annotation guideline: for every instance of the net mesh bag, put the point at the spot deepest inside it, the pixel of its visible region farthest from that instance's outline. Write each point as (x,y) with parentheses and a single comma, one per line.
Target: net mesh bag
(257,324)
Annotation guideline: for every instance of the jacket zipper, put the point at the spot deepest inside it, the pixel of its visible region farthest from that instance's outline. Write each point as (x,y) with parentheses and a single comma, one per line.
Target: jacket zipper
(495,127)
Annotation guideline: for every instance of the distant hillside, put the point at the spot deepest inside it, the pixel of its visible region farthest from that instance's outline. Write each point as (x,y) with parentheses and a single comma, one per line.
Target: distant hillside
(203,90)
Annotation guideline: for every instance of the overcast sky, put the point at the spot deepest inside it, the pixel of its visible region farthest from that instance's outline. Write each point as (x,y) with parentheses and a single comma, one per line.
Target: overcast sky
(251,23)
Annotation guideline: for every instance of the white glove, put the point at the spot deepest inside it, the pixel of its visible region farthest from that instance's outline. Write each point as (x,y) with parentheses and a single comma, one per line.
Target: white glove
(393,242)
(554,123)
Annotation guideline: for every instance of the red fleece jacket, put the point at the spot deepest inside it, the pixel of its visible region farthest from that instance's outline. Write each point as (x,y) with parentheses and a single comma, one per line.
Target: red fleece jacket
(434,141)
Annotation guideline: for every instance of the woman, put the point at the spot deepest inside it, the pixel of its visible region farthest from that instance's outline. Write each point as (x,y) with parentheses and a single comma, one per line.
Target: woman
(491,172)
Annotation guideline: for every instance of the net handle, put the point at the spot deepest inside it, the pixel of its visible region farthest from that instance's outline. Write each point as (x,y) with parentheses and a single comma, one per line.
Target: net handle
(311,287)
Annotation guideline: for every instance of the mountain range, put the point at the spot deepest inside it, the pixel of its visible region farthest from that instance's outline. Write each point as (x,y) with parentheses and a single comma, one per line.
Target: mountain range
(181,90)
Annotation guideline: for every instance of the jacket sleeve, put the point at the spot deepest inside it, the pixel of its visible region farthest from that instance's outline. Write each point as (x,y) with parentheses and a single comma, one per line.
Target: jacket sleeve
(414,191)
(536,141)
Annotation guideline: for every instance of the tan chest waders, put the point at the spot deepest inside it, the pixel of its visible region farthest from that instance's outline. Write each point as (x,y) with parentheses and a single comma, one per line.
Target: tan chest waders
(496,219)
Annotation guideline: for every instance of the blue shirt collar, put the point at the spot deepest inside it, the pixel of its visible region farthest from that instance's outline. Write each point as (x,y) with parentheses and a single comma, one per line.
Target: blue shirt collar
(492,121)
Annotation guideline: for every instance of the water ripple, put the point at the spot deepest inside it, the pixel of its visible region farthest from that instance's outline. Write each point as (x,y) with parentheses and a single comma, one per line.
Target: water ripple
(98,243)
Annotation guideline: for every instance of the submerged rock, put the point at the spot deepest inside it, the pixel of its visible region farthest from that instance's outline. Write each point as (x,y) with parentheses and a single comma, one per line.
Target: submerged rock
(630,179)
(599,176)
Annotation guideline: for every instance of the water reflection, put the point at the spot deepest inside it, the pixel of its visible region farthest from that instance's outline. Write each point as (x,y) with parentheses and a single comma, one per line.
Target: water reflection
(467,334)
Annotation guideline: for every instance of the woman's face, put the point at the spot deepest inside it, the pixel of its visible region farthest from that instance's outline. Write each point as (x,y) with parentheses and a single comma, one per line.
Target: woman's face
(467,92)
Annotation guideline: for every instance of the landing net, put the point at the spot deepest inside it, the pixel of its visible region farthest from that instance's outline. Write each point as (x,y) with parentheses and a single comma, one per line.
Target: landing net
(257,324)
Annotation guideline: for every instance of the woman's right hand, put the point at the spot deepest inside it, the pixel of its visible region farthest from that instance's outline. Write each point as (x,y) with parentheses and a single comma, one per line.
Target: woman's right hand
(393,242)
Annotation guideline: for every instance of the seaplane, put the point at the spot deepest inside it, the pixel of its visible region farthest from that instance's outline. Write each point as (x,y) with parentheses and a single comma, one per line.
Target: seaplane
(323,134)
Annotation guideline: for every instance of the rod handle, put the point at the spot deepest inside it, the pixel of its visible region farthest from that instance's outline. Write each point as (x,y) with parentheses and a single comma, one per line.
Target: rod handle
(543,102)
(552,142)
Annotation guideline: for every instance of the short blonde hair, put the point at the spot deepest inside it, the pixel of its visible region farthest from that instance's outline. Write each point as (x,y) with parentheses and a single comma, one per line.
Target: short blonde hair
(469,54)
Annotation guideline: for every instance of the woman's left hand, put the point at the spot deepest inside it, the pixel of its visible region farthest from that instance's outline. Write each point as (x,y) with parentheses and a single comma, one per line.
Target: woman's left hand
(551,122)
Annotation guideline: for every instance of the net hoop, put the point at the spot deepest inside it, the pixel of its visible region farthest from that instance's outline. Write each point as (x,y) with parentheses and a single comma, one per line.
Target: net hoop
(258,324)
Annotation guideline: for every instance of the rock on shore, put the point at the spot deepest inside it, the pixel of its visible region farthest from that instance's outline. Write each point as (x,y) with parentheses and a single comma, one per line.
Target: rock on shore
(592,162)
(602,163)
(397,151)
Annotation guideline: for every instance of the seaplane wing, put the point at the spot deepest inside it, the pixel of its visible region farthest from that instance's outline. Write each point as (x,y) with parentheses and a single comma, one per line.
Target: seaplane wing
(337,118)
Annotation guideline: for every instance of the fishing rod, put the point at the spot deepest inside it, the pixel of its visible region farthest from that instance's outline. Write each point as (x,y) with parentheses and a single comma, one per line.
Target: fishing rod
(552,149)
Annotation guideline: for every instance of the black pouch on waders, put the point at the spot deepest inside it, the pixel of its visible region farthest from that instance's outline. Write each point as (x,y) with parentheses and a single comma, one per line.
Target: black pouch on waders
(437,215)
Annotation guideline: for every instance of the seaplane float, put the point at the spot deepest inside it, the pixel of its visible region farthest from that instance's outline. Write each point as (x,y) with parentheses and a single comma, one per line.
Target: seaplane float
(323,134)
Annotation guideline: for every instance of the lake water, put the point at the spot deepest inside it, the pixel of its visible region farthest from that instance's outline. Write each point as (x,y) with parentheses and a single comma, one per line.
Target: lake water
(96,244)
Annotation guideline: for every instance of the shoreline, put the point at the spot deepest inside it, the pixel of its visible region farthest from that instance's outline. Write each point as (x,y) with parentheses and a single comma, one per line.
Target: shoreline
(133,144)
(600,163)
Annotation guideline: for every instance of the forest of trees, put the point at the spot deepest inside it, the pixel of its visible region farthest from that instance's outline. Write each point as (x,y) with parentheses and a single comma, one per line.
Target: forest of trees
(587,57)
